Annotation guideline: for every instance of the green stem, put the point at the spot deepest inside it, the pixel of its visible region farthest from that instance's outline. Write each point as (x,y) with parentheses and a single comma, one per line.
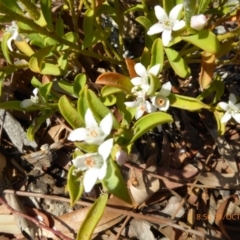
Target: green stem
(145,7)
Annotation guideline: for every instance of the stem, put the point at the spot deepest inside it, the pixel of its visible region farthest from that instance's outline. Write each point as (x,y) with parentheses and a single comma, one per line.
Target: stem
(145,7)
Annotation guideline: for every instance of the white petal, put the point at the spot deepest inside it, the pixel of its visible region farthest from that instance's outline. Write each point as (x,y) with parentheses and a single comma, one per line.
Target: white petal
(226,117)
(149,107)
(178,25)
(79,161)
(198,22)
(166,89)
(90,179)
(140,70)
(174,13)
(236,116)
(90,120)
(160,13)
(155,69)
(166,105)
(78,134)
(131,104)
(105,148)
(139,112)
(166,37)
(137,81)
(35,91)
(9,43)
(237,106)
(102,171)
(94,140)
(156,28)
(223,106)
(232,99)
(106,124)
(26,103)
(159,127)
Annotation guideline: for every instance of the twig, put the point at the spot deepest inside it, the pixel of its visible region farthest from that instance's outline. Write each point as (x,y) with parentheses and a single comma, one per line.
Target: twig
(55,232)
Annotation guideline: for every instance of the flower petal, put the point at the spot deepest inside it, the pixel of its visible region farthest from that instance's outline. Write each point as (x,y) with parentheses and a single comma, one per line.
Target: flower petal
(174,13)
(155,69)
(160,13)
(232,99)
(106,124)
(102,171)
(105,148)
(137,81)
(156,28)
(166,89)
(140,70)
(149,107)
(35,91)
(9,43)
(236,116)
(139,112)
(78,134)
(90,120)
(26,103)
(94,140)
(226,117)
(166,105)
(79,161)
(178,25)
(166,37)
(223,106)
(237,106)
(90,179)
(131,104)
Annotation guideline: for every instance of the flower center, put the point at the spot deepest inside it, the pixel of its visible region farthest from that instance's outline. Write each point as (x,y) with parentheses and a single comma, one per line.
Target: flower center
(90,162)
(142,107)
(35,99)
(160,101)
(167,24)
(93,133)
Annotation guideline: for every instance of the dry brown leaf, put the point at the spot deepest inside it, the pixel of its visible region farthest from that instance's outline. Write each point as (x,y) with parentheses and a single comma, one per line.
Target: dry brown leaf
(207,69)
(54,133)
(9,225)
(130,65)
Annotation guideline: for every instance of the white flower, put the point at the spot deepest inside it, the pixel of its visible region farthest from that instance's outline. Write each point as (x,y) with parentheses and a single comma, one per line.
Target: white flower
(161,101)
(142,106)
(232,109)
(140,91)
(29,102)
(94,133)
(13,29)
(121,157)
(143,74)
(95,164)
(198,22)
(166,23)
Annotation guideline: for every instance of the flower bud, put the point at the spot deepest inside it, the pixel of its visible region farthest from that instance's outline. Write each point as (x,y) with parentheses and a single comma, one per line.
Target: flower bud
(198,22)
(121,157)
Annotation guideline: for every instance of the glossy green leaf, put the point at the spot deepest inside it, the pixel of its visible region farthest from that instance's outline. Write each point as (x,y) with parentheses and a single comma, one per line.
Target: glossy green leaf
(69,113)
(154,84)
(74,186)
(202,5)
(12,5)
(109,100)
(177,63)
(63,62)
(149,121)
(146,57)
(82,103)
(35,82)
(134,8)
(115,80)
(71,37)
(187,103)
(45,90)
(36,61)
(59,27)
(79,83)
(67,86)
(144,21)
(189,10)
(51,69)
(4,47)
(205,40)
(109,90)
(98,108)
(47,13)
(157,53)
(88,22)
(115,183)
(92,218)
(38,122)
(220,126)
(89,148)
(168,5)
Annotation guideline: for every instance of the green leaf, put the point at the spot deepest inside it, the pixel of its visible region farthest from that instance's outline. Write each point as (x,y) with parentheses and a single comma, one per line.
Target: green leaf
(187,103)
(67,86)
(35,82)
(71,37)
(115,80)
(82,103)
(144,21)
(220,126)
(109,90)
(79,83)
(109,100)
(60,27)
(157,53)
(98,108)
(12,5)
(205,40)
(91,220)
(69,113)
(51,69)
(168,5)
(4,47)
(202,6)
(45,90)
(115,183)
(88,22)
(38,122)
(89,148)
(149,121)
(47,13)
(189,10)
(146,57)
(74,186)
(178,64)
(154,84)
(136,7)
(63,62)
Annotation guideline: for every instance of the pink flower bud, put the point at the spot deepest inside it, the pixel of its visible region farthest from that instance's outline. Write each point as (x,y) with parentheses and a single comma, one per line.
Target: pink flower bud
(198,22)
(121,157)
